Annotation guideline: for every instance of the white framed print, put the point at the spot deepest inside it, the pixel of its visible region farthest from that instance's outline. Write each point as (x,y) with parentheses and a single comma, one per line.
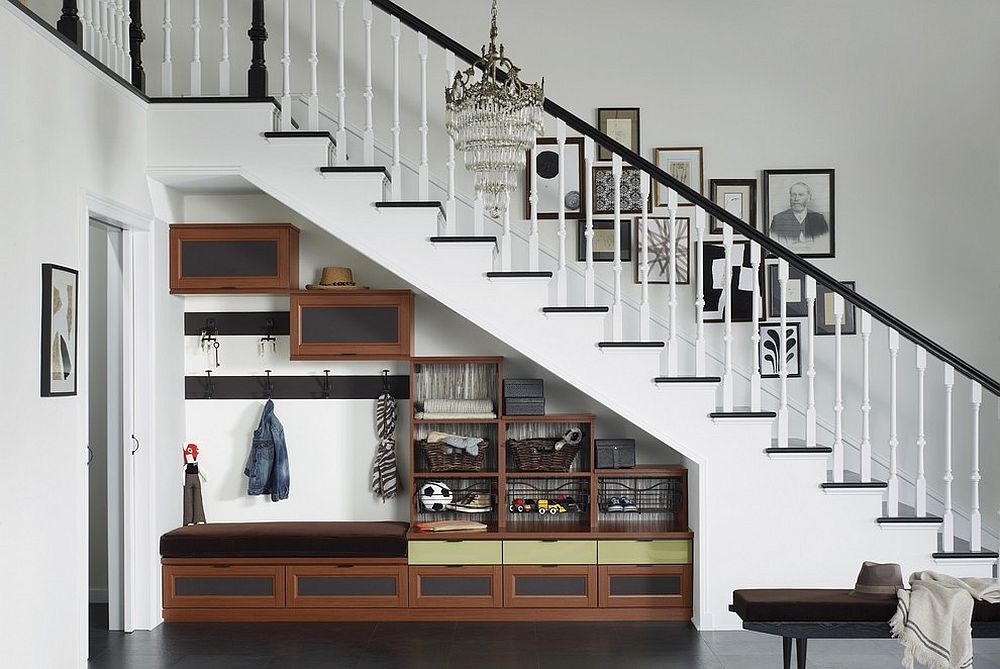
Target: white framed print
(547,167)
(770,350)
(686,164)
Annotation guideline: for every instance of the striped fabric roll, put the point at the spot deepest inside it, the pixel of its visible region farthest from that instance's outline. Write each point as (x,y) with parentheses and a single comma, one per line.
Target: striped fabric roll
(458,406)
(384,475)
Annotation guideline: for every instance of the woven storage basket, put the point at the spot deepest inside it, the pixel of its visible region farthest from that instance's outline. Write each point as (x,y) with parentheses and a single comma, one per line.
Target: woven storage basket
(538,455)
(440,460)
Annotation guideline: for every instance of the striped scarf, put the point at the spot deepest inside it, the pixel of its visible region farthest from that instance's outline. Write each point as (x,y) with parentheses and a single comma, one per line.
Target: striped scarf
(385,479)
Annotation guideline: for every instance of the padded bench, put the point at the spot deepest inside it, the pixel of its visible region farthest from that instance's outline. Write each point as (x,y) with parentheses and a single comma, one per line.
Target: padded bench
(832,614)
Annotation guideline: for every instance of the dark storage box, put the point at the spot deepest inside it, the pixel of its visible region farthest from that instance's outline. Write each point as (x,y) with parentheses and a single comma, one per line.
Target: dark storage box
(524,406)
(523,388)
(615,453)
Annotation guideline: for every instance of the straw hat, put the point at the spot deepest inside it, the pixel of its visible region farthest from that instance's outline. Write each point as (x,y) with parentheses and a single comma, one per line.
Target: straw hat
(336,278)
(878,579)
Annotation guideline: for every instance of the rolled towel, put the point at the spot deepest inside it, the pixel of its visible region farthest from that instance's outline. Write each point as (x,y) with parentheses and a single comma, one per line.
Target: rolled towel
(468,444)
(438,405)
(427,415)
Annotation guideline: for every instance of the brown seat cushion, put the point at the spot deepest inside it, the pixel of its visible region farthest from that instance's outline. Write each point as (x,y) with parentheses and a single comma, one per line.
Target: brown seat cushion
(293,539)
(790,605)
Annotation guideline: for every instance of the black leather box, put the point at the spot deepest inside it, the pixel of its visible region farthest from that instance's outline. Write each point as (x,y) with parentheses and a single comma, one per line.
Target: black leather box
(523,388)
(524,406)
(615,453)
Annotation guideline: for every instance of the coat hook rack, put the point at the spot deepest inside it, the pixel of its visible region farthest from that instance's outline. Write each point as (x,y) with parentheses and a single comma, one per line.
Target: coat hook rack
(268,338)
(385,380)
(209,386)
(210,338)
(268,386)
(326,384)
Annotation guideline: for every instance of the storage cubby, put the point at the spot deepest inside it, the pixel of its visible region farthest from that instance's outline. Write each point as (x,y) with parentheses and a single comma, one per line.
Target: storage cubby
(540,504)
(458,489)
(642,499)
(458,461)
(455,379)
(542,433)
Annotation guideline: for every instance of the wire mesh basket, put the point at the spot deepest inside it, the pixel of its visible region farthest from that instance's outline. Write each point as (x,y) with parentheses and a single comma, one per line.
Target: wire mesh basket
(659,496)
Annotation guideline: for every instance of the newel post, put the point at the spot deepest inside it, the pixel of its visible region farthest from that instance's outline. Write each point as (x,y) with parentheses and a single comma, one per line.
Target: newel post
(257,76)
(69,22)
(135,39)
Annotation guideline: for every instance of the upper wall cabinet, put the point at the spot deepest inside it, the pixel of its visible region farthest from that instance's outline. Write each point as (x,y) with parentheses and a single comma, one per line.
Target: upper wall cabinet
(359,324)
(224,258)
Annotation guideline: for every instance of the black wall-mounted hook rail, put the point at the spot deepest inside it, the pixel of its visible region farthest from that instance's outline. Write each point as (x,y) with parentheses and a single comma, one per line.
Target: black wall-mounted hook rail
(238,323)
(326,384)
(304,387)
(268,386)
(209,386)
(385,381)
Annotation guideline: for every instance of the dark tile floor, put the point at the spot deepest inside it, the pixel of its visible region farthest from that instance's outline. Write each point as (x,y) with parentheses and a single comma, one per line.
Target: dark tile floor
(473,646)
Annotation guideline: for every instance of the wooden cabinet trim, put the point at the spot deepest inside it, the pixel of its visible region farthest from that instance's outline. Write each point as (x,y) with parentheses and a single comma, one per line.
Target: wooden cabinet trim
(399,299)
(397,572)
(172,572)
(512,599)
(494,600)
(682,600)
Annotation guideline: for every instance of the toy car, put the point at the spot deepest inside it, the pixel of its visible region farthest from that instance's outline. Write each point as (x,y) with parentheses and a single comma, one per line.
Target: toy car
(550,506)
(520,505)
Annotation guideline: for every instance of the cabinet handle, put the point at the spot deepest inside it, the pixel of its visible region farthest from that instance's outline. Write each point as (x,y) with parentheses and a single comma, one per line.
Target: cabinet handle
(454,541)
(548,566)
(221,566)
(644,541)
(344,566)
(549,541)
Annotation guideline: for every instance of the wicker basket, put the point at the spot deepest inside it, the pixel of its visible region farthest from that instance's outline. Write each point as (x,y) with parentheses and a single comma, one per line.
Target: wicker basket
(539,455)
(440,460)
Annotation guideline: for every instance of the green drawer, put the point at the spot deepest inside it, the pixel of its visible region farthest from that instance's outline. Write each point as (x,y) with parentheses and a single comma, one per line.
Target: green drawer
(668,551)
(550,552)
(454,552)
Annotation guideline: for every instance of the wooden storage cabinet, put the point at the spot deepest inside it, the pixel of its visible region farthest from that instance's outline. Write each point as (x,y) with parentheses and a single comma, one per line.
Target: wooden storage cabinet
(236,258)
(223,586)
(339,586)
(454,552)
(357,324)
(456,586)
(550,586)
(645,586)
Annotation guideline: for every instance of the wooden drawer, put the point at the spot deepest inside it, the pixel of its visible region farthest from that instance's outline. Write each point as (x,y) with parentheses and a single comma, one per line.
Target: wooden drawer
(456,587)
(645,586)
(550,552)
(359,324)
(569,586)
(667,551)
(354,586)
(223,586)
(454,552)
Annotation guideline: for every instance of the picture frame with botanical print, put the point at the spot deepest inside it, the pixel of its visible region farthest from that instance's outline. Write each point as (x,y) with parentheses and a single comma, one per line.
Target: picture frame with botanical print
(770,345)
(60,324)
(825,322)
(546,164)
(738,197)
(713,281)
(658,266)
(686,164)
(604,241)
(799,211)
(795,291)
(620,124)
(604,191)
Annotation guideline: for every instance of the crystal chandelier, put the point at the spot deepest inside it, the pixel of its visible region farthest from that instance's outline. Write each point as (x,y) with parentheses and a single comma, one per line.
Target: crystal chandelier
(494,121)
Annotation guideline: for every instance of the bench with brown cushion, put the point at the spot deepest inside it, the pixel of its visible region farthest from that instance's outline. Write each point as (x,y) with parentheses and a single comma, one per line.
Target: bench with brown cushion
(832,614)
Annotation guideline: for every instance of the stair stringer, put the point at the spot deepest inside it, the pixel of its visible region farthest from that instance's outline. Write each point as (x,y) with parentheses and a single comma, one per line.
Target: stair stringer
(739,497)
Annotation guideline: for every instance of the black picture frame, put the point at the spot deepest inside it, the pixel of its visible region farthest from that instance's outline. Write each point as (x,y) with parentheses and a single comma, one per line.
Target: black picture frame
(817,233)
(603,200)
(742,299)
(719,188)
(605,114)
(60,322)
(603,255)
(581,183)
(796,285)
(821,328)
(659,238)
(768,346)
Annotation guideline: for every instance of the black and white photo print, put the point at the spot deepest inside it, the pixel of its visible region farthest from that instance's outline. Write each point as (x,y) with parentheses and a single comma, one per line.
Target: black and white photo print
(713,282)
(799,211)
(547,167)
(770,350)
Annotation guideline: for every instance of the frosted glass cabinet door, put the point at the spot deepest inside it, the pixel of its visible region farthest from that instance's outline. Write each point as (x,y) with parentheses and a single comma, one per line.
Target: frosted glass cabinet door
(357,324)
(223,586)
(545,586)
(216,258)
(455,587)
(646,586)
(346,585)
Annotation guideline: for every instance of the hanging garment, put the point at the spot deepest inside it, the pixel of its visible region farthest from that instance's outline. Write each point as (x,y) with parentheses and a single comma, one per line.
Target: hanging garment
(267,467)
(384,475)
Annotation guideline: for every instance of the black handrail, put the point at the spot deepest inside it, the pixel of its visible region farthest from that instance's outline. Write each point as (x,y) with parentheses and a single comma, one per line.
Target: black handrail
(711,208)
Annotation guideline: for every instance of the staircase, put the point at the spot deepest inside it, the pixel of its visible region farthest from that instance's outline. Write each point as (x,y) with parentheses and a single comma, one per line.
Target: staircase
(779,495)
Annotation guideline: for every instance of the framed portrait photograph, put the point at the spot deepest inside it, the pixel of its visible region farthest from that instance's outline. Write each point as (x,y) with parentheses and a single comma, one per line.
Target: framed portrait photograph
(604,191)
(59,330)
(686,164)
(620,124)
(799,211)
(604,241)
(826,322)
(715,290)
(658,263)
(547,168)
(795,292)
(738,197)
(771,353)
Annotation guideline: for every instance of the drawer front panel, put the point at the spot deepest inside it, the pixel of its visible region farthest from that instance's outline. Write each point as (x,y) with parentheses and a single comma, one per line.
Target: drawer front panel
(454,552)
(355,586)
(456,587)
(550,552)
(671,551)
(258,586)
(253,258)
(553,586)
(359,324)
(645,586)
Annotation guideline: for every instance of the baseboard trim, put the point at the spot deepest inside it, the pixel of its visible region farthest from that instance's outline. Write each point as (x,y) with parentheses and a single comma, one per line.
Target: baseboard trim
(428,614)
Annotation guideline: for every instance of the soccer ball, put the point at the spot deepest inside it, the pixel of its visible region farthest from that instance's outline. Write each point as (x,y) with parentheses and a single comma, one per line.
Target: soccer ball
(434,496)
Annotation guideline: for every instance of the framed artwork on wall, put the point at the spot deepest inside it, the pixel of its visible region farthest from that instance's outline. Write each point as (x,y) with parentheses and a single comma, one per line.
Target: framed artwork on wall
(604,191)
(799,211)
(604,241)
(547,167)
(659,249)
(620,124)
(686,164)
(738,197)
(795,292)
(826,322)
(59,330)
(713,283)
(770,350)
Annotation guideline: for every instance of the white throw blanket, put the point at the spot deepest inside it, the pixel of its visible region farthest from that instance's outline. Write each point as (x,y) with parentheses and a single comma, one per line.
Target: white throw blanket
(934,618)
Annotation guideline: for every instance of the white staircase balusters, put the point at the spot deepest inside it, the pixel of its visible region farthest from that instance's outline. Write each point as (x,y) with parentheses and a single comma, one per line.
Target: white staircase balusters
(111,52)
(423,174)
(533,195)
(782,357)
(341,89)
(755,379)
(588,274)
(478,215)
(167,68)
(126,23)
(561,277)
(976,517)
(838,397)
(699,300)
(892,491)
(395,170)
(948,526)
(102,14)
(506,239)
(727,333)
(643,261)
(286,70)
(451,206)
(368,152)
(866,401)
(116,36)
(811,364)
(921,483)
(673,343)
(616,308)
(196,47)
(85,22)
(225,71)
(313,106)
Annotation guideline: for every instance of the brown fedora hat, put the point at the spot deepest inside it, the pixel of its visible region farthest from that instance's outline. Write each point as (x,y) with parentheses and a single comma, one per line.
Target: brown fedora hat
(336,278)
(878,579)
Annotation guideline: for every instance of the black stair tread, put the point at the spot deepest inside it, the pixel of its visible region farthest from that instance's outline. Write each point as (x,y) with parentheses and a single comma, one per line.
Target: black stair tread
(576,310)
(214,99)
(300,133)
(459,239)
(358,169)
(853,485)
(743,414)
(630,344)
(519,275)
(965,555)
(891,520)
(799,449)
(687,379)
(409,203)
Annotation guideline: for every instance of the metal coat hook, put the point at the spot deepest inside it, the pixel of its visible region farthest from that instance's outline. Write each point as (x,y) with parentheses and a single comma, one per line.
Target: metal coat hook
(209,386)
(385,380)
(209,339)
(326,384)
(268,338)
(268,386)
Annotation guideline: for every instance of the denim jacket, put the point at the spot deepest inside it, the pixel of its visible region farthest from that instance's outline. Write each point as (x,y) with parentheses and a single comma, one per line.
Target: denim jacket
(267,467)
